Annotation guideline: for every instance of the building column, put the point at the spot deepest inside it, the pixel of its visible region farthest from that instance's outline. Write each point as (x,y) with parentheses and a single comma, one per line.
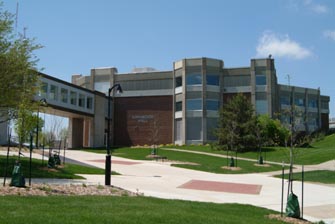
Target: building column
(76,126)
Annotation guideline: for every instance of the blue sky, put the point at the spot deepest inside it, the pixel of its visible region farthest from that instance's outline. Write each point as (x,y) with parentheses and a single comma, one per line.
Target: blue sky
(78,35)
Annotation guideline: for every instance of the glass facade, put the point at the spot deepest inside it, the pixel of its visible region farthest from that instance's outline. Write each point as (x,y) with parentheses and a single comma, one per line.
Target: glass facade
(211,126)
(299,102)
(178,130)
(212,104)
(179,81)
(44,90)
(260,80)
(64,96)
(73,98)
(194,104)
(193,79)
(89,103)
(194,128)
(312,103)
(213,80)
(179,106)
(81,101)
(53,95)
(285,100)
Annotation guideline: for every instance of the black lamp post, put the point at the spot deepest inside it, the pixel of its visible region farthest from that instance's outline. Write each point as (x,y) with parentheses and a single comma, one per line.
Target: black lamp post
(108,156)
(44,102)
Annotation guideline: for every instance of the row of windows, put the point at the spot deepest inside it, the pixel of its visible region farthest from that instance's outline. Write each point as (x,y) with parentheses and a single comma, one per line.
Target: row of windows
(286,100)
(194,128)
(66,96)
(196,104)
(196,79)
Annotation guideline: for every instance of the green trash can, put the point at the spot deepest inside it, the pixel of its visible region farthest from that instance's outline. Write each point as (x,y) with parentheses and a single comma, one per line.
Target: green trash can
(51,162)
(292,206)
(17,176)
(260,161)
(232,162)
(57,159)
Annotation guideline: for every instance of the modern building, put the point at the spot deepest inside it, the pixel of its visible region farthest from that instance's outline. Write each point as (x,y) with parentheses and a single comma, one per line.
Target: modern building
(181,106)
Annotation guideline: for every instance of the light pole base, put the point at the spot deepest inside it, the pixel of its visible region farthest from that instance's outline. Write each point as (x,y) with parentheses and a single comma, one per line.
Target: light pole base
(108,170)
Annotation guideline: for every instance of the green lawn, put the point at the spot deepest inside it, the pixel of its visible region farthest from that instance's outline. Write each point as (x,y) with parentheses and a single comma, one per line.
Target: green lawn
(321,176)
(319,152)
(128,210)
(205,163)
(38,171)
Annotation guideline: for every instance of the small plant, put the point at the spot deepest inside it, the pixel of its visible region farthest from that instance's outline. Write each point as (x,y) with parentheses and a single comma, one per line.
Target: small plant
(45,188)
(100,187)
(84,185)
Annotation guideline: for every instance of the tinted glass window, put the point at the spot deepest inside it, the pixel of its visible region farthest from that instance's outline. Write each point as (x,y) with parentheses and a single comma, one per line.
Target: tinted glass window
(194,104)
(260,80)
(195,79)
(212,80)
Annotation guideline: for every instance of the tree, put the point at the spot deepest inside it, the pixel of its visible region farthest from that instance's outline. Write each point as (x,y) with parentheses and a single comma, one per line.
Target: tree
(237,124)
(18,73)
(272,132)
(26,124)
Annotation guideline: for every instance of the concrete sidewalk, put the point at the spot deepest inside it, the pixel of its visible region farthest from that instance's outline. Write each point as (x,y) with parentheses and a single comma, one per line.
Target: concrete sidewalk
(159,179)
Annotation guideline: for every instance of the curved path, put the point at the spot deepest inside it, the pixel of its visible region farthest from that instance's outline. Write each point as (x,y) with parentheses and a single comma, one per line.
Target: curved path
(159,179)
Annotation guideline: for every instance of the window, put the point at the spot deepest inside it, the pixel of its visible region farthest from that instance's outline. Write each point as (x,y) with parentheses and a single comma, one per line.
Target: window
(44,89)
(212,105)
(73,98)
(89,103)
(260,80)
(194,104)
(194,128)
(179,106)
(261,106)
(81,100)
(53,92)
(211,126)
(179,81)
(312,103)
(285,100)
(324,105)
(193,79)
(178,129)
(63,93)
(213,80)
(299,102)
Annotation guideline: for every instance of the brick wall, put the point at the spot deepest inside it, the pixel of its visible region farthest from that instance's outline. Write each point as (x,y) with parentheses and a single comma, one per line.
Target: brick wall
(143,120)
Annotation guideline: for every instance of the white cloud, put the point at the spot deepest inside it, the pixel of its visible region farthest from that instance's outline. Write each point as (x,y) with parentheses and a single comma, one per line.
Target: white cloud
(329,34)
(309,5)
(317,8)
(280,46)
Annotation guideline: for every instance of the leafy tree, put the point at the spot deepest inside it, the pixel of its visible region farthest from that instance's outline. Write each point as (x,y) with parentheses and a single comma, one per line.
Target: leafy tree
(272,132)
(18,76)
(26,124)
(236,129)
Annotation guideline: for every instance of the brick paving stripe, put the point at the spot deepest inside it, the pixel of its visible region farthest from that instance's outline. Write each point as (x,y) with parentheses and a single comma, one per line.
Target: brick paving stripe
(222,187)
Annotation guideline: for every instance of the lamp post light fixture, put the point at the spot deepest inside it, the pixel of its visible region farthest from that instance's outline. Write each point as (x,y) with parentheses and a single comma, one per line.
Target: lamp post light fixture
(108,156)
(44,102)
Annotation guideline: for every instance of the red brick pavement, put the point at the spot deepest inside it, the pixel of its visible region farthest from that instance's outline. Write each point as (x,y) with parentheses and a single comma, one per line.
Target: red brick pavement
(222,187)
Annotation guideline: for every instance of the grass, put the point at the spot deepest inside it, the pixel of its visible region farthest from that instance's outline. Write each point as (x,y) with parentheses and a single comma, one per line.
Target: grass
(319,152)
(205,163)
(320,176)
(68,171)
(100,209)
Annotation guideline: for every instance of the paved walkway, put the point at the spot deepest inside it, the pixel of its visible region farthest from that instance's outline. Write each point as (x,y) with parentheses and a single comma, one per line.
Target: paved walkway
(159,179)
